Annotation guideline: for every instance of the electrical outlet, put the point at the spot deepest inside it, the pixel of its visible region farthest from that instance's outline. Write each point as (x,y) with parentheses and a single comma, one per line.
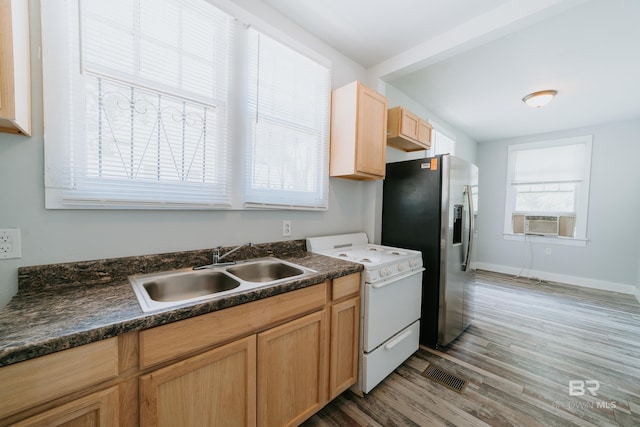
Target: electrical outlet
(547,251)
(10,244)
(286,228)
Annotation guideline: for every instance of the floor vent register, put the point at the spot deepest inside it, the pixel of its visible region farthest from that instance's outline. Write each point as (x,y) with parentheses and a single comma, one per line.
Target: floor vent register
(445,378)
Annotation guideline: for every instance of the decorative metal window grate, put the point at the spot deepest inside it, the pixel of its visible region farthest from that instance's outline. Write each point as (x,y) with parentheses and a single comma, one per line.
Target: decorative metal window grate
(138,134)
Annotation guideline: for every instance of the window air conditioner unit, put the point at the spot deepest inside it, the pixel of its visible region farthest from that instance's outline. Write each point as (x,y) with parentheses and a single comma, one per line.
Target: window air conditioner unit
(541,225)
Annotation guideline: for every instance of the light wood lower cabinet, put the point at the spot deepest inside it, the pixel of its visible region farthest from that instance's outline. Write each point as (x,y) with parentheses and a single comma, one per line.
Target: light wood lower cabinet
(44,379)
(215,388)
(271,362)
(292,371)
(288,373)
(99,409)
(345,325)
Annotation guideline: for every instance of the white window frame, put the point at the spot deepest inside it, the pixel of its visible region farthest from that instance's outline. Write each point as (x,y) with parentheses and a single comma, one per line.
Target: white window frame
(235,131)
(582,193)
(310,192)
(436,135)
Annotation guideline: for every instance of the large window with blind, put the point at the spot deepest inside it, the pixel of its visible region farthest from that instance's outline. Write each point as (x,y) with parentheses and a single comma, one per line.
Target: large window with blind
(156,104)
(548,188)
(288,105)
(441,144)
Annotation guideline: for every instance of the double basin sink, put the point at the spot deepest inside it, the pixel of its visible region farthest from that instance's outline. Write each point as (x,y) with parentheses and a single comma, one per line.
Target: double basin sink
(171,288)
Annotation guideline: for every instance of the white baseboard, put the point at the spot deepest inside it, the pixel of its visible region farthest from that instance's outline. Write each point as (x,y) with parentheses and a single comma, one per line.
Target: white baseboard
(562,278)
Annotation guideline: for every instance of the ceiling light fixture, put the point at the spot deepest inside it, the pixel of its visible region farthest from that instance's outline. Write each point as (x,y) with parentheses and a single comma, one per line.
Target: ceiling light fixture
(539,99)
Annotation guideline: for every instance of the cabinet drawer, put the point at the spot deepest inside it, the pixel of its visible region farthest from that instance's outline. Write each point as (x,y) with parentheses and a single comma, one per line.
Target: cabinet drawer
(173,340)
(345,286)
(45,378)
(97,409)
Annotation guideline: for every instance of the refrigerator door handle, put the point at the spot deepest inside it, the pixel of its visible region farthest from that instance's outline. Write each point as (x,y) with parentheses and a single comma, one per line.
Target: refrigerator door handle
(467,258)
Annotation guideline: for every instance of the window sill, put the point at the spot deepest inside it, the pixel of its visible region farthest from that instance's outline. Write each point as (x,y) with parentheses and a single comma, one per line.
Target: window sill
(548,240)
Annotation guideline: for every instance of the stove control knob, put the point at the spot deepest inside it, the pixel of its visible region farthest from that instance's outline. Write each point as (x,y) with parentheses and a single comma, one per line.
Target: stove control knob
(385,272)
(402,267)
(414,262)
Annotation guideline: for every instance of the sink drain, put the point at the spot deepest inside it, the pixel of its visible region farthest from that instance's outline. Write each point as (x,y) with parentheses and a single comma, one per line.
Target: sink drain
(445,378)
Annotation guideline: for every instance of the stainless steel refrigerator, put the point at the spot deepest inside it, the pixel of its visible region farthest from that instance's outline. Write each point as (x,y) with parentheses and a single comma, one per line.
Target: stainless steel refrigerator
(430,205)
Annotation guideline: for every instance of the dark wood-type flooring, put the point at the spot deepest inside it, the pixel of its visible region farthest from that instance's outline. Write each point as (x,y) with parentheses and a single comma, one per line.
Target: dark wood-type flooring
(528,340)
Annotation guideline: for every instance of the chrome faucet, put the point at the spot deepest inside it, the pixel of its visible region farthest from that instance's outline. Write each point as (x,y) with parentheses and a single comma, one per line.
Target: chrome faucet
(216,252)
(217,257)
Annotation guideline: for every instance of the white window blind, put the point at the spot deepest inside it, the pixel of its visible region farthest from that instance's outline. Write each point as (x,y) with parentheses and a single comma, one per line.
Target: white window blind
(549,178)
(441,144)
(136,103)
(288,146)
(546,179)
(550,164)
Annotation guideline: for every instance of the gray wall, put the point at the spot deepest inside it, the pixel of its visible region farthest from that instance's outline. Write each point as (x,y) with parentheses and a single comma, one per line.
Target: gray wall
(610,258)
(50,236)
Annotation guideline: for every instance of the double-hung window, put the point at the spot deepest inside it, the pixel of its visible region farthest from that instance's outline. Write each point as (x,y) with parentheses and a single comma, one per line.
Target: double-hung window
(288,105)
(155,104)
(548,188)
(136,103)
(441,144)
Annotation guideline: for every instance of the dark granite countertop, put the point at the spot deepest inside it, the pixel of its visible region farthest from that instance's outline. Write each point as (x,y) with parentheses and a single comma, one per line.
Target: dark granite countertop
(66,305)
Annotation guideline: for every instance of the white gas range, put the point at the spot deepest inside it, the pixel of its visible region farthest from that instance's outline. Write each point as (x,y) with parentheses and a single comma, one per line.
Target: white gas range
(391,290)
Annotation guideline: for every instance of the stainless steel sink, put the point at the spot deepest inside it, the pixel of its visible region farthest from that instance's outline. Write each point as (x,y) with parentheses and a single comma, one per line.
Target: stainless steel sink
(264,271)
(171,288)
(195,284)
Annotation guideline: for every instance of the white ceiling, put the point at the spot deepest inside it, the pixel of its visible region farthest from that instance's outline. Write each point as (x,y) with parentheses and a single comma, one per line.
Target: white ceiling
(470,62)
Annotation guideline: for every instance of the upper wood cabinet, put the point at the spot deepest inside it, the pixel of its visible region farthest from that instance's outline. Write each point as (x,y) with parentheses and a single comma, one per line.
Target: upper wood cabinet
(406,131)
(15,68)
(358,133)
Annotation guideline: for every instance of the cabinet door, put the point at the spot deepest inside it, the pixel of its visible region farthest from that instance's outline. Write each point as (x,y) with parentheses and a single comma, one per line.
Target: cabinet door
(15,74)
(372,132)
(424,133)
(345,325)
(215,388)
(409,124)
(43,379)
(98,409)
(292,371)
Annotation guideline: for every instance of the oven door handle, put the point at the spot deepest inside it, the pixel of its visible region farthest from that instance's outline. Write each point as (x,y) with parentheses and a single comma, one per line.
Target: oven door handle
(393,279)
